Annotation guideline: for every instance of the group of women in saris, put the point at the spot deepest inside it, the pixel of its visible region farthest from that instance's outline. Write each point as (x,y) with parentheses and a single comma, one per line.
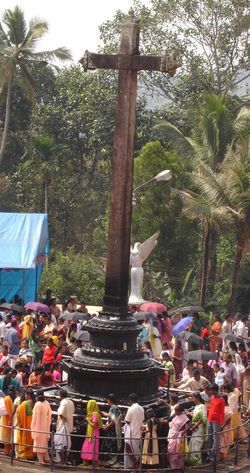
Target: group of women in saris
(31,422)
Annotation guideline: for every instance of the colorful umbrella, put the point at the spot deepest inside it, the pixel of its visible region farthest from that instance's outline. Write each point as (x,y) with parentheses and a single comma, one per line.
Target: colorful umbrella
(37,307)
(182,325)
(152,307)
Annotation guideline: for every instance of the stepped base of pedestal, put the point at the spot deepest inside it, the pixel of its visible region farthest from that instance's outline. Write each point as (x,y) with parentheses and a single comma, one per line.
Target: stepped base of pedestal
(99,378)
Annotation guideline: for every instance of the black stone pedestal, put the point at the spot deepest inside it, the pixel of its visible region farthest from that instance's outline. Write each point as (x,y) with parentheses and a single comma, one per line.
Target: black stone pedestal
(111,361)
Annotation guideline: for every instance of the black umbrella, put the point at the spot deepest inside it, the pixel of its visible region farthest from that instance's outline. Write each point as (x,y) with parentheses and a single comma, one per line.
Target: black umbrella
(230,337)
(13,307)
(192,309)
(202,355)
(82,335)
(192,337)
(75,316)
(144,315)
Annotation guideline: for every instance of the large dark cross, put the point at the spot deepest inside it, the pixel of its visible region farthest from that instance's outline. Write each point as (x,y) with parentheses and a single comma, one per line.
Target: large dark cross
(128,62)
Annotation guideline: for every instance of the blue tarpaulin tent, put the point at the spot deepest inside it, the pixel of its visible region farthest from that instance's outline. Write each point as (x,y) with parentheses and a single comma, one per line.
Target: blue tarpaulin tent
(23,247)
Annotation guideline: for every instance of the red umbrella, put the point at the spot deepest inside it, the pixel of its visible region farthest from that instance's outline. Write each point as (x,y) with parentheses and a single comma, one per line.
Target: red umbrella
(153,307)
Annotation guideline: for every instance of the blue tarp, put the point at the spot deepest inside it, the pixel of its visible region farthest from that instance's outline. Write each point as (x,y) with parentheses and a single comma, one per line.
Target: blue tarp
(23,246)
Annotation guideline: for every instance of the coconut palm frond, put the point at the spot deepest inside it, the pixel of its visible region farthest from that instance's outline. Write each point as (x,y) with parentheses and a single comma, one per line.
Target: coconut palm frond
(62,54)
(243,118)
(36,31)
(195,206)
(175,138)
(209,185)
(16,25)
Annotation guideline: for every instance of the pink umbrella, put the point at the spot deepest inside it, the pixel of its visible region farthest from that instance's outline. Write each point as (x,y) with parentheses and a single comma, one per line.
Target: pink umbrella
(152,307)
(37,307)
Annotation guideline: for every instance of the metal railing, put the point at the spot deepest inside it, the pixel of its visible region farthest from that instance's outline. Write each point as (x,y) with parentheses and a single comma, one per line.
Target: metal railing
(161,455)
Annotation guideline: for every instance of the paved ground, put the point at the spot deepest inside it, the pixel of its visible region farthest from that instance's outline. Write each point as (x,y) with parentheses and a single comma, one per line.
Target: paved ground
(225,467)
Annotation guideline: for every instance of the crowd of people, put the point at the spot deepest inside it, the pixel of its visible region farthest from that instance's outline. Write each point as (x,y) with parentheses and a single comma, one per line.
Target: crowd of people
(32,348)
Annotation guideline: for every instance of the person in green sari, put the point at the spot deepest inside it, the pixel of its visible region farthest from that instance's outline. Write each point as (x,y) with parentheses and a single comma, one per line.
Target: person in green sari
(198,428)
(168,365)
(34,343)
(112,443)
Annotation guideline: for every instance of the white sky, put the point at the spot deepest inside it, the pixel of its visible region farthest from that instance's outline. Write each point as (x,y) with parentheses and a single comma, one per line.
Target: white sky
(73,23)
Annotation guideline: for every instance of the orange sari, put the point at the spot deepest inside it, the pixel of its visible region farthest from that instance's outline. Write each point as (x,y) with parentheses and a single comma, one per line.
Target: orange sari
(24,439)
(5,430)
(215,338)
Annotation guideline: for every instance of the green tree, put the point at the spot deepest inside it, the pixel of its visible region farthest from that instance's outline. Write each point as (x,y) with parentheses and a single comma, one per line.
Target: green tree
(17,54)
(43,157)
(225,196)
(211,37)
(207,144)
(155,210)
(72,272)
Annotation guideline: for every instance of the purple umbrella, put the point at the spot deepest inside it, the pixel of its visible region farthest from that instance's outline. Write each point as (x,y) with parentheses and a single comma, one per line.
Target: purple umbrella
(37,307)
(182,325)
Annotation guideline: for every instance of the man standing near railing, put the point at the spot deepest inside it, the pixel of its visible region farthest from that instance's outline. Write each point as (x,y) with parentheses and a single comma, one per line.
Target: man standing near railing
(133,433)
(215,423)
(64,427)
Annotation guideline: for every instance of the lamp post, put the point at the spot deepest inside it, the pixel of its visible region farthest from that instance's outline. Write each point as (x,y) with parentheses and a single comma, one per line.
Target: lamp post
(165,175)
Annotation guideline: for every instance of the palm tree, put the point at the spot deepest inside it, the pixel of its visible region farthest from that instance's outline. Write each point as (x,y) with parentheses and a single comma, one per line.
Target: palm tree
(224,197)
(18,55)
(43,157)
(207,145)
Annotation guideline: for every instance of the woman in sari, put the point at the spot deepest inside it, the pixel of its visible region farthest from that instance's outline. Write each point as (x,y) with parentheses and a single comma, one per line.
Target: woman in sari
(177,357)
(198,428)
(226,435)
(49,353)
(24,418)
(150,451)
(233,395)
(113,432)
(176,442)
(155,341)
(6,420)
(216,330)
(91,446)
(26,326)
(35,345)
(40,428)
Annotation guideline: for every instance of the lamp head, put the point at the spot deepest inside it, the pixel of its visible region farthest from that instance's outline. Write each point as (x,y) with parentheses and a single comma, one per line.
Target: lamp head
(165,175)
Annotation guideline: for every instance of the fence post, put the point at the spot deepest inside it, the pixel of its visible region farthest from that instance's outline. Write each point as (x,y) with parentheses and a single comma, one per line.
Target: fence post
(140,459)
(12,448)
(52,452)
(185,440)
(248,450)
(93,463)
(237,446)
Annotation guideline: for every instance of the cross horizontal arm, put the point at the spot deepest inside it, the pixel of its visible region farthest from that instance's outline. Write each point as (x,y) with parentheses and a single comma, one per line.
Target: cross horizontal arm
(166,64)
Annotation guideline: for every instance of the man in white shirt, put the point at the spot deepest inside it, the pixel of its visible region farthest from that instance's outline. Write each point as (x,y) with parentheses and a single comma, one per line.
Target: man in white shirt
(241,328)
(195,383)
(133,432)
(64,427)
(227,324)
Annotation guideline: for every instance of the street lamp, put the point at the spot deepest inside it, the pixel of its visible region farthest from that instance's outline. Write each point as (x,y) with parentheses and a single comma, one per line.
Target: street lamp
(165,175)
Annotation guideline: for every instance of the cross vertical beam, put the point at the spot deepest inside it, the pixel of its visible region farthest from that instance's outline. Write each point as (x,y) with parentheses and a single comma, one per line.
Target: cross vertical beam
(117,273)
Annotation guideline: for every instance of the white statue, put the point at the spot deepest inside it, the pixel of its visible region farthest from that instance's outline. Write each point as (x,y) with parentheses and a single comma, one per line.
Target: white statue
(138,254)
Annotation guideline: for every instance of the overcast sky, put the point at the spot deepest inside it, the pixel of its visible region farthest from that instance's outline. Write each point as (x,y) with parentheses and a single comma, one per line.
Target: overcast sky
(74,23)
